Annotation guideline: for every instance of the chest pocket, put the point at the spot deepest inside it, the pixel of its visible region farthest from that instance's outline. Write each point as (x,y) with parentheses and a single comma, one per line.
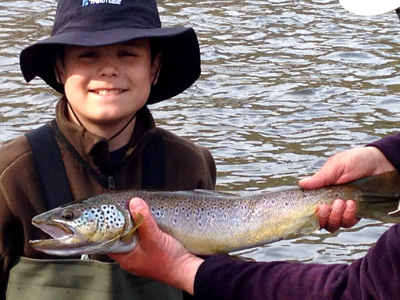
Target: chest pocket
(72,279)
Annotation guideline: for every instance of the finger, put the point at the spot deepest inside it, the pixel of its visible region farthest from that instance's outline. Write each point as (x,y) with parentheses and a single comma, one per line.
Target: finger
(349,215)
(311,182)
(335,218)
(149,232)
(138,206)
(323,214)
(327,175)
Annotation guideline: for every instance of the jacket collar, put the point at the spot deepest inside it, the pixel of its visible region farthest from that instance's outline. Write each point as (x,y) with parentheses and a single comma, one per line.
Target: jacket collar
(93,147)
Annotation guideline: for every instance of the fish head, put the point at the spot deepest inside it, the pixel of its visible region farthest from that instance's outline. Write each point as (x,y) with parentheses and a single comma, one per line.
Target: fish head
(83,228)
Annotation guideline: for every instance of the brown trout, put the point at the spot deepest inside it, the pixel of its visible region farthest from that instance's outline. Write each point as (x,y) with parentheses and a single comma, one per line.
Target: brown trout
(207,222)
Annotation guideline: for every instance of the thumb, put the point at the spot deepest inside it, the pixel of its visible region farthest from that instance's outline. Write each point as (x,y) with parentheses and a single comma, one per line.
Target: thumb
(321,178)
(148,228)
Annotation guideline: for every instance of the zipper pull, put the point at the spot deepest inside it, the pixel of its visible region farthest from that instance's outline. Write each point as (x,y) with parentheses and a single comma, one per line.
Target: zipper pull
(111,183)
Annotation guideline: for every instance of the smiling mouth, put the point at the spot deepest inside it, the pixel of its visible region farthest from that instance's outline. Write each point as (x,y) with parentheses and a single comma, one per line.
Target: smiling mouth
(105,92)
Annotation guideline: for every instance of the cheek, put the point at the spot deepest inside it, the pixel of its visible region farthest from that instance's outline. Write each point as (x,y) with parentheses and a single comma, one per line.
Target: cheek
(74,85)
(141,72)
(140,82)
(75,75)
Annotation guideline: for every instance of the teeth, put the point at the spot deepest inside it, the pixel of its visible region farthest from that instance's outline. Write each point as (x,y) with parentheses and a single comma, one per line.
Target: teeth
(108,92)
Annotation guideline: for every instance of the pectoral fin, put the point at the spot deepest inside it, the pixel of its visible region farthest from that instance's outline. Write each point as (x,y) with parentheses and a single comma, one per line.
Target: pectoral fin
(121,243)
(127,237)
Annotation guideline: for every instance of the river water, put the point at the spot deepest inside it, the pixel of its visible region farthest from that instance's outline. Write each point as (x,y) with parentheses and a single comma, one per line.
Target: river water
(285,84)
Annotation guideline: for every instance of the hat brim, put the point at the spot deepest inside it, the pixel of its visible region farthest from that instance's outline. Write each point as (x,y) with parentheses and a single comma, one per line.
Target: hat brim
(179,47)
(370,7)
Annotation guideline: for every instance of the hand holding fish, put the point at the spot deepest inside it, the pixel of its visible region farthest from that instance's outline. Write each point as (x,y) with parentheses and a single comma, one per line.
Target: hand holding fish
(341,168)
(175,265)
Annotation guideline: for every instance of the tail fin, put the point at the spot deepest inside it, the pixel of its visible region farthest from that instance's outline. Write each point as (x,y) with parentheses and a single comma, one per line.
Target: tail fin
(378,188)
(380,194)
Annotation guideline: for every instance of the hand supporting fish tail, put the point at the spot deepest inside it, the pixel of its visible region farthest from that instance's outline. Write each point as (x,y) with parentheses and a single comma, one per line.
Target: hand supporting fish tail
(341,168)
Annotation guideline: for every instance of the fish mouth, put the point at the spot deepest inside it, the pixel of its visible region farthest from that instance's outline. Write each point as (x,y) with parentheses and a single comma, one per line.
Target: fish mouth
(56,230)
(59,247)
(63,241)
(48,244)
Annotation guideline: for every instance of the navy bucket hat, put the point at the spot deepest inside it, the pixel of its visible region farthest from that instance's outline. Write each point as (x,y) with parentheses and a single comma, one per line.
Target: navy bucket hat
(106,22)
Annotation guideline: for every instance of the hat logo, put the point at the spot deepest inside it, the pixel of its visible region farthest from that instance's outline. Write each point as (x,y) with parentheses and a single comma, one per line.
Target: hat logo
(90,2)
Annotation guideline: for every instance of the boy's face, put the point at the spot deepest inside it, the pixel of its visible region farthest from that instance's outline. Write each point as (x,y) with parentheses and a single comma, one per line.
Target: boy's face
(106,85)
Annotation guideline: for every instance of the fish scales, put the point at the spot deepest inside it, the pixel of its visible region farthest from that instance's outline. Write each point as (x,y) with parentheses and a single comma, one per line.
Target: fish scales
(206,222)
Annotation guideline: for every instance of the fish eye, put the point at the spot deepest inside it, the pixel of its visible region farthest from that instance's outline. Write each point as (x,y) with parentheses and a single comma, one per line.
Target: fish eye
(67,215)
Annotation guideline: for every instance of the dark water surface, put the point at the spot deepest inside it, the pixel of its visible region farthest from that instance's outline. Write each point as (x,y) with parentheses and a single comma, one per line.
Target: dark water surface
(284,85)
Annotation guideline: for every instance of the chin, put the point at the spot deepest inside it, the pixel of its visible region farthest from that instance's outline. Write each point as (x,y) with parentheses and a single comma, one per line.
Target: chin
(110,119)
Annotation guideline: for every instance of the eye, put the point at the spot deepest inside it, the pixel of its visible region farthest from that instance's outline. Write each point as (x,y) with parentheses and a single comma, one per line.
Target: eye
(67,215)
(127,53)
(87,54)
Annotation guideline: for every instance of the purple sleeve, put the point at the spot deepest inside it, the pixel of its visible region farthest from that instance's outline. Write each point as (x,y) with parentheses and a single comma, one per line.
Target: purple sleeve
(375,276)
(390,147)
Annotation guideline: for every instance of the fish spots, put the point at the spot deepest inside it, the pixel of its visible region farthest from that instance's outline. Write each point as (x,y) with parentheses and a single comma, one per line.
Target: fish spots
(178,212)
(158,212)
(201,221)
(192,216)
(102,219)
(113,218)
(79,222)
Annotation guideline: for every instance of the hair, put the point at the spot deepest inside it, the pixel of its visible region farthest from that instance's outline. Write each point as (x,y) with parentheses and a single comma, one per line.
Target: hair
(58,53)
(155,48)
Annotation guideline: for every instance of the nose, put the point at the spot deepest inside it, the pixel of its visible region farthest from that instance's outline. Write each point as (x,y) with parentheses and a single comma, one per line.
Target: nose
(108,67)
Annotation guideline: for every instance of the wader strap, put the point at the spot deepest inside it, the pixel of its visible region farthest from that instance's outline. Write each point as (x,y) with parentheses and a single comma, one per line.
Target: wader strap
(153,164)
(51,170)
(50,167)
